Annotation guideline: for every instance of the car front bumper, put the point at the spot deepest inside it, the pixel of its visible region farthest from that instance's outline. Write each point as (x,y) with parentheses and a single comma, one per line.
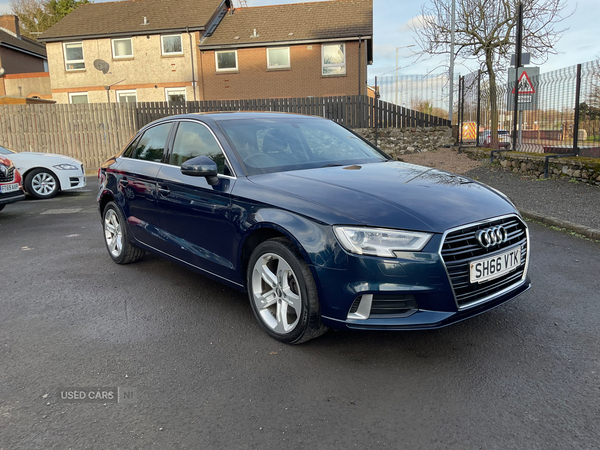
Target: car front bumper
(71,179)
(12,197)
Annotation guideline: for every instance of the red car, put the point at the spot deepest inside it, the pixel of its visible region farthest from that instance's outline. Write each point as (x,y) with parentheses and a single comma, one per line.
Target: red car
(10,183)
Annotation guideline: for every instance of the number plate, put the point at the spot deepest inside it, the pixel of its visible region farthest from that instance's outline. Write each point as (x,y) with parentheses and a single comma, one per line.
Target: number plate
(496,266)
(9,188)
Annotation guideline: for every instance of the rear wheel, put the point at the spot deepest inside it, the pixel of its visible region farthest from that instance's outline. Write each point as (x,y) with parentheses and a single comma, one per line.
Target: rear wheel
(116,237)
(42,184)
(283,293)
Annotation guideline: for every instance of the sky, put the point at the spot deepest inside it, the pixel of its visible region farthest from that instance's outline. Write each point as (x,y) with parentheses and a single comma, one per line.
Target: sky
(392,20)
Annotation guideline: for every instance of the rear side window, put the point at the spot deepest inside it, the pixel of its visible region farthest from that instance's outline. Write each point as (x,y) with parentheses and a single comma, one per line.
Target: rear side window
(192,140)
(151,146)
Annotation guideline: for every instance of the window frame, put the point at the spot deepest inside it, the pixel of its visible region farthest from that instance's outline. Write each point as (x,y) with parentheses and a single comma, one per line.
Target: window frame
(289,57)
(126,91)
(112,43)
(162,45)
(76,61)
(71,94)
(182,88)
(323,65)
(237,66)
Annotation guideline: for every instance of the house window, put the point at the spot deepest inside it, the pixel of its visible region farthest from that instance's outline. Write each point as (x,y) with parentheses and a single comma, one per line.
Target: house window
(122,48)
(127,96)
(334,59)
(175,95)
(78,97)
(171,45)
(278,58)
(74,56)
(226,61)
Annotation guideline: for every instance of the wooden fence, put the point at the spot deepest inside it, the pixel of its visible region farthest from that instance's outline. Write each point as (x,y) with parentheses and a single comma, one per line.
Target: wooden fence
(94,132)
(353,111)
(89,132)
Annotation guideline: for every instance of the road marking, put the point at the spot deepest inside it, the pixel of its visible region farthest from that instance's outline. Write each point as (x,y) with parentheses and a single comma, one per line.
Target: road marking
(62,211)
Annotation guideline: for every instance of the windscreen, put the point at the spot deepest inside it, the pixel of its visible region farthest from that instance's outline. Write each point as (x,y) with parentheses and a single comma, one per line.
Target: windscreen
(295,143)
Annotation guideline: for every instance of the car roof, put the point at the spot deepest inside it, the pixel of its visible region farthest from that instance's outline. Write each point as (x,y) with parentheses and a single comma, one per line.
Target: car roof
(237,115)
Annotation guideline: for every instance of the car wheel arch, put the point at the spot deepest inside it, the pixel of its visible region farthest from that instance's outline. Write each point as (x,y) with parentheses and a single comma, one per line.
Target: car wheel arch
(262,232)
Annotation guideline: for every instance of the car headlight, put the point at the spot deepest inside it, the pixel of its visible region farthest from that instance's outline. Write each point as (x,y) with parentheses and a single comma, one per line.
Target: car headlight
(380,241)
(66,167)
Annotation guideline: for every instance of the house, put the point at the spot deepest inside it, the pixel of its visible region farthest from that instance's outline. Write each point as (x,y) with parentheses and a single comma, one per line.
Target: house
(23,63)
(295,50)
(154,50)
(128,51)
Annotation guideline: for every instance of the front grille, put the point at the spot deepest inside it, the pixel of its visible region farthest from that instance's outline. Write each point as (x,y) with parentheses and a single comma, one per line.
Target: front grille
(10,175)
(461,247)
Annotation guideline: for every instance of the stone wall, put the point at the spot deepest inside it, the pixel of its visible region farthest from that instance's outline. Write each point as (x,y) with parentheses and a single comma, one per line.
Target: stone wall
(585,170)
(399,141)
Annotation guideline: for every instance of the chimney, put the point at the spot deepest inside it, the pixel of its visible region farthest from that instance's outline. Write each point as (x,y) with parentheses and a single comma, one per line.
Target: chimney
(10,23)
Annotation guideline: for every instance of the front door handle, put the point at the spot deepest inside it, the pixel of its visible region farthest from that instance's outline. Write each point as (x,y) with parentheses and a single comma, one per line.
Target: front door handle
(123,182)
(165,191)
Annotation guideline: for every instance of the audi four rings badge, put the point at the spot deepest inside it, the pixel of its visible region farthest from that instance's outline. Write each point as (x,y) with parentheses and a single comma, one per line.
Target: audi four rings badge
(492,236)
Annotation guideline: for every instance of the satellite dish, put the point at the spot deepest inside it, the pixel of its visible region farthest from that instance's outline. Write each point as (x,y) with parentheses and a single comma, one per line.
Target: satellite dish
(102,65)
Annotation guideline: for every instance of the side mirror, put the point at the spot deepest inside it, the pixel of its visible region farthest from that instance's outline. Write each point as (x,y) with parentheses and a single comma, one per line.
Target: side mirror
(201,166)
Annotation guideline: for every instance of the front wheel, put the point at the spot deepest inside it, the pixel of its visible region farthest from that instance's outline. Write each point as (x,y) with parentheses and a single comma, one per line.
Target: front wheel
(283,293)
(42,184)
(116,237)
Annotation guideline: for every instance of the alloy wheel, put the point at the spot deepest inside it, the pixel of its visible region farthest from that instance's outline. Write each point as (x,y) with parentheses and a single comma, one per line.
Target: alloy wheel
(276,293)
(113,233)
(43,183)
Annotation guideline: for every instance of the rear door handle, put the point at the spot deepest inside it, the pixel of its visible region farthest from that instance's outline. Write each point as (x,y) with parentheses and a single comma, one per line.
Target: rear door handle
(123,182)
(165,191)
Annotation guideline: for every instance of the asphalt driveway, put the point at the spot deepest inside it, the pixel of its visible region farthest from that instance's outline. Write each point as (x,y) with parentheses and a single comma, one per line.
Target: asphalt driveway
(203,375)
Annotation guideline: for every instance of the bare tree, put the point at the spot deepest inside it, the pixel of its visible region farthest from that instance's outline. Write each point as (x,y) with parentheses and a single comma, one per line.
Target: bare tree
(486,30)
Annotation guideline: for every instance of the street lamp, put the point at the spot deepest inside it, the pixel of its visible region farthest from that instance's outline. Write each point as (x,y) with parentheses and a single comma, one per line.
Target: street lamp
(397,68)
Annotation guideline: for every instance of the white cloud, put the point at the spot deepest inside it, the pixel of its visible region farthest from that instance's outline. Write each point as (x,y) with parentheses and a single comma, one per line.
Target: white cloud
(415,23)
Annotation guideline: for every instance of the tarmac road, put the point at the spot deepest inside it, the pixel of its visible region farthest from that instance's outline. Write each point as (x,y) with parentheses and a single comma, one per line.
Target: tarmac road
(203,375)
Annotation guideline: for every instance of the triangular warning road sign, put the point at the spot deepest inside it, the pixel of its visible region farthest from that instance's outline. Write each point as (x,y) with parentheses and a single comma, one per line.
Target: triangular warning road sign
(525,85)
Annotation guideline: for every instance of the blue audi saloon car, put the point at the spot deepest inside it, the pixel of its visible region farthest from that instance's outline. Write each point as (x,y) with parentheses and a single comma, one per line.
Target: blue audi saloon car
(318,226)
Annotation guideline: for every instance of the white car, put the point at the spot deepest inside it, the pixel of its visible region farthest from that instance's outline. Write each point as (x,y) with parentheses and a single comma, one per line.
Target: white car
(45,174)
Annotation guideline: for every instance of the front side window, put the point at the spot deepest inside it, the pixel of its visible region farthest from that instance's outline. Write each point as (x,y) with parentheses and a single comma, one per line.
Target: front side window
(194,139)
(78,97)
(122,48)
(334,59)
(226,61)
(74,56)
(278,58)
(152,144)
(127,96)
(175,95)
(171,45)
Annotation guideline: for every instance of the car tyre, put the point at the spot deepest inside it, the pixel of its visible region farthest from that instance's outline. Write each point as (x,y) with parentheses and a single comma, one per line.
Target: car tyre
(41,184)
(283,293)
(116,236)
(2,207)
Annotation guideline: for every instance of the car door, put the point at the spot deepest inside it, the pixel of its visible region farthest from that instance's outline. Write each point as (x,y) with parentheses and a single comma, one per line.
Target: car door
(195,216)
(136,177)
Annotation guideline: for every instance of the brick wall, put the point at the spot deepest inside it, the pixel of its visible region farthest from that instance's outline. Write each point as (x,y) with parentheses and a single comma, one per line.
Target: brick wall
(254,80)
